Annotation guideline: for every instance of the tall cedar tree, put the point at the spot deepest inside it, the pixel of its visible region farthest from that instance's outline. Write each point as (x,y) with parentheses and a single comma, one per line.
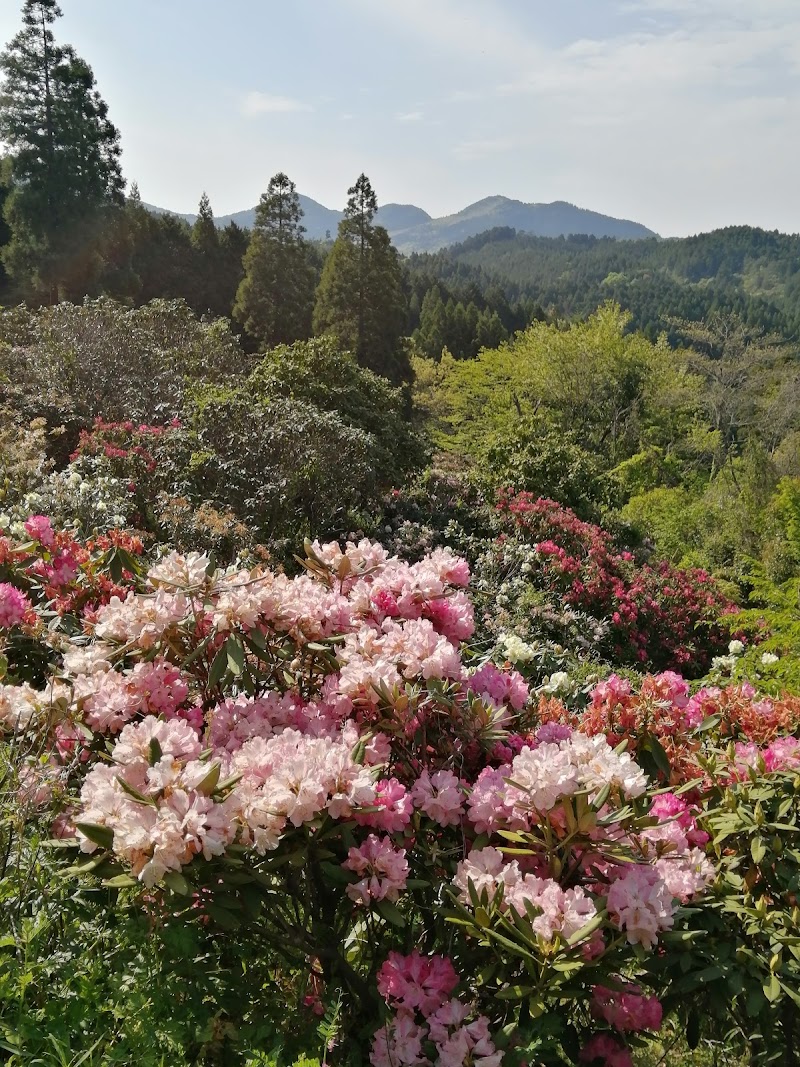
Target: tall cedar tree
(65,158)
(360,299)
(275,298)
(206,250)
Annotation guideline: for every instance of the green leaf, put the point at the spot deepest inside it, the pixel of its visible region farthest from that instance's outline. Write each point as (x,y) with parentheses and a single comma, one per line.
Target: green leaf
(390,913)
(660,757)
(208,783)
(514,992)
(100,835)
(772,988)
(236,658)
(222,917)
(121,881)
(218,668)
(155,751)
(757,848)
(175,881)
(134,794)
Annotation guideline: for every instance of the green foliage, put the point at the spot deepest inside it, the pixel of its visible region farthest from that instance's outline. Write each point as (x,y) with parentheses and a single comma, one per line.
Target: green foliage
(65,161)
(771,623)
(320,373)
(739,269)
(537,456)
(742,963)
(275,297)
(72,363)
(360,299)
(331,437)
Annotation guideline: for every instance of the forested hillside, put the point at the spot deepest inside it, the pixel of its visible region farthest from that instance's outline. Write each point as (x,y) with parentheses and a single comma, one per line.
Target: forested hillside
(752,272)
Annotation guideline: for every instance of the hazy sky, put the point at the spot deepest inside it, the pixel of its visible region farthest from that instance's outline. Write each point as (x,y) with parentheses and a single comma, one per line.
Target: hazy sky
(681,114)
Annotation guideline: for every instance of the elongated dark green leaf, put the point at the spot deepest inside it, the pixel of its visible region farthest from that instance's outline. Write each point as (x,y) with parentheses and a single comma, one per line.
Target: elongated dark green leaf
(100,835)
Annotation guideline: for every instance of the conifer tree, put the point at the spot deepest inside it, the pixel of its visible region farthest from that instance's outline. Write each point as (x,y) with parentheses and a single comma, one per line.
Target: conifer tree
(65,160)
(360,299)
(275,298)
(206,255)
(433,324)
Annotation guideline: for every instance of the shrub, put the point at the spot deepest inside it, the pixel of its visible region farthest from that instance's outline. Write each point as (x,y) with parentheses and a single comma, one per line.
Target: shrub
(308,791)
(658,617)
(73,363)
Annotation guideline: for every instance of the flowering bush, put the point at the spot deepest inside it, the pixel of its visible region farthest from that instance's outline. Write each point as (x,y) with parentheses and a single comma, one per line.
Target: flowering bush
(443,873)
(659,617)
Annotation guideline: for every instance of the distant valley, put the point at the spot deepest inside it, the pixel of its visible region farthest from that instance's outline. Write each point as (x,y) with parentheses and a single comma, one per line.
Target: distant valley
(414,230)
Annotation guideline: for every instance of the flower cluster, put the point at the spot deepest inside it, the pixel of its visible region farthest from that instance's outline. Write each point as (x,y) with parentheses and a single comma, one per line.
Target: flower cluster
(324,742)
(417,988)
(662,616)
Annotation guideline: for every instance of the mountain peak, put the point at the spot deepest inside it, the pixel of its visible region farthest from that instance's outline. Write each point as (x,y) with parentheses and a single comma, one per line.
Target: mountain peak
(414,230)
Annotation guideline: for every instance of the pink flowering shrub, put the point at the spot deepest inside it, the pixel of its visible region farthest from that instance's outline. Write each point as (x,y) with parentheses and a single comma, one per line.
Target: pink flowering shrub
(316,759)
(660,617)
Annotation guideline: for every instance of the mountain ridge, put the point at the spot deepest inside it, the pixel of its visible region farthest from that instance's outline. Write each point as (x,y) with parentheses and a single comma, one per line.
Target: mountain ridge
(413,230)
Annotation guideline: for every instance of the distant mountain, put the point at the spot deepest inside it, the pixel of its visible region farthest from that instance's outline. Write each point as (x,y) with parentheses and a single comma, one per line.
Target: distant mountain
(542,220)
(413,230)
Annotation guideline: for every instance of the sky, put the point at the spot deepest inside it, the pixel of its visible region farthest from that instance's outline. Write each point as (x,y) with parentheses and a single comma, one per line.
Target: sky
(680,114)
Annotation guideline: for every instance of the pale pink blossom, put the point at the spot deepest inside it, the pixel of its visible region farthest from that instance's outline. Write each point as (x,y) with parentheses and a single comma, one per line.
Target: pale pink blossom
(382,870)
(439,796)
(176,571)
(640,903)
(459,1042)
(398,1043)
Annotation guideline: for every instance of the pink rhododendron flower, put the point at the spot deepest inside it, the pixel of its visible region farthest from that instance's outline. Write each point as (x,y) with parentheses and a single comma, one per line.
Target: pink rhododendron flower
(238,719)
(40,529)
(686,875)
(612,690)
(15,607)
(553,732)
(416,981)
(399,1043)
(489,804)
(486,869)
(176,571)
(640,903)
(19,706)
(627,1009)
(500,686)
(603,1050)
(439,796)
(394,805)
(459,1042)
(140,619)
(382,870)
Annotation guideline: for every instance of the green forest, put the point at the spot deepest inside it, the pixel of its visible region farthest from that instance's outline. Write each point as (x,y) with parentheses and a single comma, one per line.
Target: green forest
(493,551)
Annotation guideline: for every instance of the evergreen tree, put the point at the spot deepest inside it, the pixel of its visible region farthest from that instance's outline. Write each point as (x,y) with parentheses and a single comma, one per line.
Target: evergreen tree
(360,299)
(490,331)
(433,324)
(65,160)
(233,244)
(275,297)
(206,254)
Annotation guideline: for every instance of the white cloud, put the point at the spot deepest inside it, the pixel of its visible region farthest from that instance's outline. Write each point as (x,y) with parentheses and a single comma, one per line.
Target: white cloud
(257,103)
(409,116)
